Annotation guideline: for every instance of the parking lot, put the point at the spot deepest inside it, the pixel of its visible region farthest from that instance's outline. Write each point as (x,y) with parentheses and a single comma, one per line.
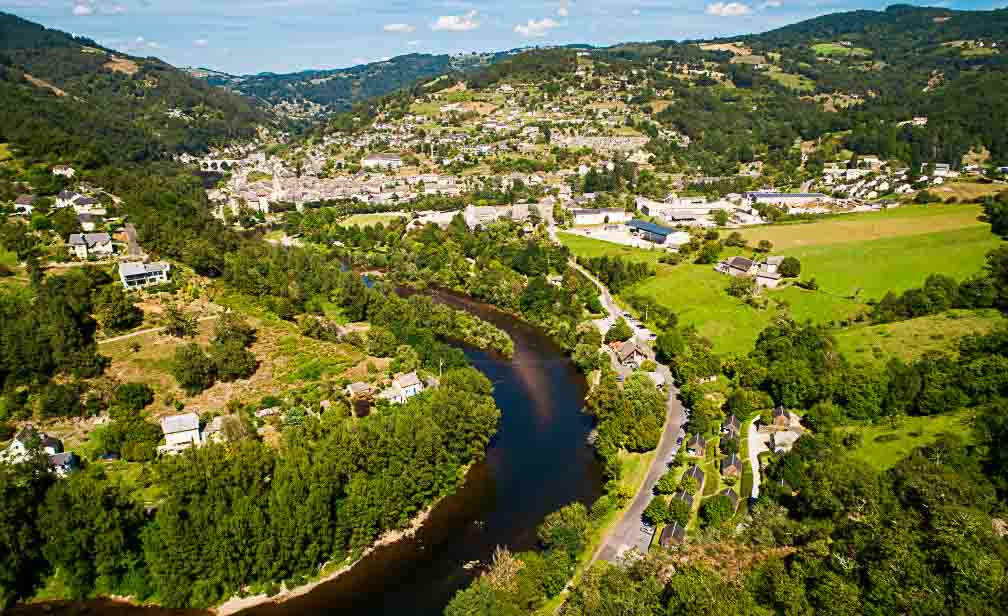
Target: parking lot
(621,235)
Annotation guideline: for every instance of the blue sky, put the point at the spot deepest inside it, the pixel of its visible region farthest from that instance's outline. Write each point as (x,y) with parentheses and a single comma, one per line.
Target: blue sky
(291,35)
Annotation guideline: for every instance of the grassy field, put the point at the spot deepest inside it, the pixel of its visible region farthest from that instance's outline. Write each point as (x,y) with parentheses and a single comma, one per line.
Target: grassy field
(790,80)
(842,228)
(967,191)
(853,257)
(908,340)
(884,445)
(838,50)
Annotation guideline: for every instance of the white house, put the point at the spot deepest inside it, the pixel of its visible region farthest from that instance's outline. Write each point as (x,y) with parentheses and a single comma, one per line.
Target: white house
(85,245)
(135,275)
(382,161)
(404,387)
(64,170)
(181,432)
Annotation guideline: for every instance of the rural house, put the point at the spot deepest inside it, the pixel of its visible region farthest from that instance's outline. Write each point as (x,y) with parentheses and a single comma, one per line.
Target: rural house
(694,472)
(136,275)
(62,464)
(630,354)
(732,426)
(731,466)
(697,446)
(64,170)
(357,390)
(181,432)
(736,266)
(85,245)
(404,387)
(672,534)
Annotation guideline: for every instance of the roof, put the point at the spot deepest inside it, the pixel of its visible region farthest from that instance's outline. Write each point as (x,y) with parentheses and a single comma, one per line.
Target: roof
(740,263)
(732,460)
(595,210)
(25,200)
(180,423)
(383,157)
(732,496)
(89,239)
(780,411)
(697,440)
(26,434)
(62,459)
(684,497)
(695,472)
(135,268)
(406,380)
(672,532)
(778,195)
(359,388)
(777,260)
(650,227)
(732,421)
(627,348)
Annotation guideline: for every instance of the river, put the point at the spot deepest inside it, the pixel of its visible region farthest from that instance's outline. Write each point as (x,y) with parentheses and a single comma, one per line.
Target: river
(537,462)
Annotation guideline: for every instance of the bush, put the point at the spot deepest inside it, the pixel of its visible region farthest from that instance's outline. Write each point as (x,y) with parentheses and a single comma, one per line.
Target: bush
(790,267)
(716,511)
(232,361)
(133,397)
(193,369)
(657,512)
(619,331)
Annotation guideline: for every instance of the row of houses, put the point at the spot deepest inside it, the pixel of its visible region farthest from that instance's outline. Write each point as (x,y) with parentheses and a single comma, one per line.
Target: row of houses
(403,387)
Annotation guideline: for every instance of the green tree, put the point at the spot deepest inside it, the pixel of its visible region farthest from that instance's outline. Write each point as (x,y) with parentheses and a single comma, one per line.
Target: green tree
(657,512)
(721,217)
(566,529)
(133,397)
(232,328)
(193,369)
(114,310)
(178,324)
(619,331)
(716,511)
(231,361)
(22,564)
(790,267)
(92,535)
(764,246)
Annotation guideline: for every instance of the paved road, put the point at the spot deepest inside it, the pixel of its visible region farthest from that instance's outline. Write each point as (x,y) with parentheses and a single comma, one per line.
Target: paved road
(628,533)
(756,446)
(148,331)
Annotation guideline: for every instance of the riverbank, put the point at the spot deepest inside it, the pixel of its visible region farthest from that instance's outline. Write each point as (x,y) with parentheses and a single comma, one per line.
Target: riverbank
(239,604)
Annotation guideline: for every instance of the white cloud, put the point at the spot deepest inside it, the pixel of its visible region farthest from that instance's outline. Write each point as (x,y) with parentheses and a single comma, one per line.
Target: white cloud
(457,23)
(399,28)
(536,28)
(563,11)
(728,9)
(201,43)
(81,10)
(770,4)
(635,12)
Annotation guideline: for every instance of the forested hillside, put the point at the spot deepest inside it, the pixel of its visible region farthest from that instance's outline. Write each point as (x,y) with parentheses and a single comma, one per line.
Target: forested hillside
(72,100)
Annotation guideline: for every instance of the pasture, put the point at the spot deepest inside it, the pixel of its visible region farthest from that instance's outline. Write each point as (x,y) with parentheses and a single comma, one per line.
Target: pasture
(836,50)
(885,444)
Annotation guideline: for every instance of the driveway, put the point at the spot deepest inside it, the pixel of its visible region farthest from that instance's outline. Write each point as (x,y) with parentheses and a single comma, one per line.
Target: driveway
(756,447)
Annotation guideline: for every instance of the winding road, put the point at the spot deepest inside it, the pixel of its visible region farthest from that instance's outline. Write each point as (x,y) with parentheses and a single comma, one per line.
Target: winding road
(629,533)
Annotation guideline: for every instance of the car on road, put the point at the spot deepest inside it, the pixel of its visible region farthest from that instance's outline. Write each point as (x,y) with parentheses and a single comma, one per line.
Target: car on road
(678,441)
(647,529)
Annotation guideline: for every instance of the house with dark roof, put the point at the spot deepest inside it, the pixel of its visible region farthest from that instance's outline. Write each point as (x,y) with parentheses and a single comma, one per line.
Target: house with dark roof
(732,497)
(732,426)
(684,497)
(694,472)
(737,266)
(630,354)
(672,534)
(731,466)
(85,245)
(696,446)
(781,417)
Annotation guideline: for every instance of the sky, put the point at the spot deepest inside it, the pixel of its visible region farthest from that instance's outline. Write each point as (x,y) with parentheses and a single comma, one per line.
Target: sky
(291,35)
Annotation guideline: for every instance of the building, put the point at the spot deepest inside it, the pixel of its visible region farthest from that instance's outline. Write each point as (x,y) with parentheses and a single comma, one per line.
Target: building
(657,234)
(357,390)
(85,245)
(89,222)
(64,170)
(599,216)
(403,387)
(732,497)
(382,161)
(181,432)
(781,417)
(684,497)
(62,464)
(136,275)
(696,446)
(731,466)
(694,472)
(732,426)
(630,355)
(736,266)
(672,534)
(784,199)
(25,203)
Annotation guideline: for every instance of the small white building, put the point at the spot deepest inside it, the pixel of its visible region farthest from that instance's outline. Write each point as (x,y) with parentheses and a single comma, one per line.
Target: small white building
(136,275)
(64,170)
(382,161)
(181,432)
(85,245)
(403,387)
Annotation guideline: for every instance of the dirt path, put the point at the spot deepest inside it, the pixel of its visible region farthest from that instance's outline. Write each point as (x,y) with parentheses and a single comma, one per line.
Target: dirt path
(152,330)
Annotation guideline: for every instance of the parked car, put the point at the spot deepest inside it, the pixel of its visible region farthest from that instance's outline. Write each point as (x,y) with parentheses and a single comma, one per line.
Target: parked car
(647,529)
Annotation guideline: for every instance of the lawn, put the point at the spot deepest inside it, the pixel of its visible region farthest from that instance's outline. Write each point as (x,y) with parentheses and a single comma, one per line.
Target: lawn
(842,228)
(8,258)
(838,50)
(853,254)
(790,80)
(884,445)
(908,340)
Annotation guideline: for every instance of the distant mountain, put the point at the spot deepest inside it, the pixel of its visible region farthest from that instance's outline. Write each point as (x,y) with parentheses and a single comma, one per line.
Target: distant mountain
(321,91)
(60,92)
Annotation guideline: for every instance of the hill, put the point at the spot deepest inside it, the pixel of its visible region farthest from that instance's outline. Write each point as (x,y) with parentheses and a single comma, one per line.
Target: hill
(72,98)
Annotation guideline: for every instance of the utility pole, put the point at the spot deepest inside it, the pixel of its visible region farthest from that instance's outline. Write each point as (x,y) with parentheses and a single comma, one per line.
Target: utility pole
(440,367)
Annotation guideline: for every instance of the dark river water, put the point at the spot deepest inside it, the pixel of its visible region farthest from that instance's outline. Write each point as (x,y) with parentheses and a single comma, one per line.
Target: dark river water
(537,462)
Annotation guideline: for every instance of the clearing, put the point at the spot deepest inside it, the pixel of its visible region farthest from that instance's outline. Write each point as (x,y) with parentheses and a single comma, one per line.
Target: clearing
(839,50)
(885,444)
(365,220)
(911,339)
(968,191)
(45,85)
(739,49)
(790,80)
(122,65)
